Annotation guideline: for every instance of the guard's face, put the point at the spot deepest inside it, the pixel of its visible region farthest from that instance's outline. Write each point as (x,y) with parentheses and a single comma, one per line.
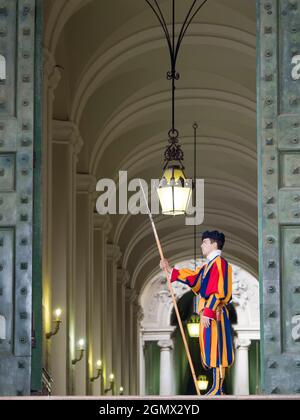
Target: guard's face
(207,247)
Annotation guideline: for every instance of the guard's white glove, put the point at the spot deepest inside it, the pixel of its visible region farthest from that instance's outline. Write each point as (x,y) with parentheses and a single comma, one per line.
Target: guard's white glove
(164,265)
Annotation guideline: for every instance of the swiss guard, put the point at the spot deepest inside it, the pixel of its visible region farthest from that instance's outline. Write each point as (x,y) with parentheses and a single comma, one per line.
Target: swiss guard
(213,282)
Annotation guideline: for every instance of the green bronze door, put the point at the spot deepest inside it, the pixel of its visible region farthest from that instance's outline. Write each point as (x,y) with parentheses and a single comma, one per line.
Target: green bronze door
(18,76)
(278,81)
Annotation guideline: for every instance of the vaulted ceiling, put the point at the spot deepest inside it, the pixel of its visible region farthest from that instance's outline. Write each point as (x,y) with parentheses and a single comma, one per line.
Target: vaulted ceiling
(114,58)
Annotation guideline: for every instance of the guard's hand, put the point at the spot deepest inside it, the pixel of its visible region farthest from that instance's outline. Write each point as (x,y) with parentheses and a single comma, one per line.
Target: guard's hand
(205,321)
(164,265)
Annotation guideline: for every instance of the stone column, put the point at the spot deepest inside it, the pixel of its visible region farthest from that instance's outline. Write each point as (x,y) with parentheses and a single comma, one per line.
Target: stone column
(241,367)
(142,368)
(134,362)
(122,283)
(86,186)
(113,256)
(166,366)
(132,341)
(128,332)
(102,227)
(66,145)
(52,78)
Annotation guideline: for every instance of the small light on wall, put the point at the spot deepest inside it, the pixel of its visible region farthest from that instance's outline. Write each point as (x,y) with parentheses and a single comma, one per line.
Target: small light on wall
(112,383)
(81,348)
(98,371)
(58,313)
(57,321)
(81,344)
(121,390)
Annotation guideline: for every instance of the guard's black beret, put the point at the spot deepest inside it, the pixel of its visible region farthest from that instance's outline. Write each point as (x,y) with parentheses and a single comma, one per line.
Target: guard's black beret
(215,235)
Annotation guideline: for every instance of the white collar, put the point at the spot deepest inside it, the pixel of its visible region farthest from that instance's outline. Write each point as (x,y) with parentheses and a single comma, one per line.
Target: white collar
(213,255)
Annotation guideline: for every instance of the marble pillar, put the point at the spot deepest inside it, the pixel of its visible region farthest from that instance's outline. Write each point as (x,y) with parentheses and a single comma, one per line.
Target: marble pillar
(241,367)
(66,145)
(166,367)
(102,227)
(142,367)
(52,77)
(86,186)
(112,337)
(122,283)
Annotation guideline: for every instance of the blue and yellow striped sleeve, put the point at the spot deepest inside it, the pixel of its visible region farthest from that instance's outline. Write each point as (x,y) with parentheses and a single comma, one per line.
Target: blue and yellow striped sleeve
(189,277)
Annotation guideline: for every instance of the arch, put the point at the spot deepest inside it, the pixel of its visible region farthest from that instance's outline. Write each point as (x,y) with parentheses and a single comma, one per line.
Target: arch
(244,190)
(138,157)
(156,295)
(157,306)
(145,229)
(105,63)
(60,13)
(185,97)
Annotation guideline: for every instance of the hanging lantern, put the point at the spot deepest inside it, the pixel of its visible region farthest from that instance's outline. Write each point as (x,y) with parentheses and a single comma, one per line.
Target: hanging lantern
(174,191)
(193,326)
(202,382)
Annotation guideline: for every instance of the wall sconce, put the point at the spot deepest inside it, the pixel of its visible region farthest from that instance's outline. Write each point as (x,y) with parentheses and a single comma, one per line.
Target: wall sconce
(121,390)
(81,350)
(98,371)
(112,383)
(57,321)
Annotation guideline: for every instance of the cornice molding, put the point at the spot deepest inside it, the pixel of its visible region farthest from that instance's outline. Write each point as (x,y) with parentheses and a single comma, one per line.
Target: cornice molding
(85,183)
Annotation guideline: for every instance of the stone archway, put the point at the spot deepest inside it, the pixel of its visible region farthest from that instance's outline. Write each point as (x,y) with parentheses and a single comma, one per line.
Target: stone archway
(155,326)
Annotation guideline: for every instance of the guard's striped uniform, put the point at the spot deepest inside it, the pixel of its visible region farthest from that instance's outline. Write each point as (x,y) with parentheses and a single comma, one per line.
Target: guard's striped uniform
(213,282)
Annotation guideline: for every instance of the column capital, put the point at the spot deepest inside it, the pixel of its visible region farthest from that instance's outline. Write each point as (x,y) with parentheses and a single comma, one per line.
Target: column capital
(52,73)
(113,252)
(102,223)
(85,183)
(66,132)
(242,343)
(165,344)
(123,277)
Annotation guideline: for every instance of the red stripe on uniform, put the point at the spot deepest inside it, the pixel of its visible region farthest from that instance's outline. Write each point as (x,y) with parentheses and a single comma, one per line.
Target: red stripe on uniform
(175,274)
(209,313)
(213,282)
